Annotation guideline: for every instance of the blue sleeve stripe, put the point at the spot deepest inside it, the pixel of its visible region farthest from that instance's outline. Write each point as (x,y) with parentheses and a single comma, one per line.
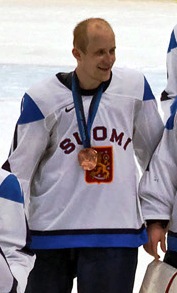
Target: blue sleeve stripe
(173,42)
(30,111)
(10,189)
(148,95)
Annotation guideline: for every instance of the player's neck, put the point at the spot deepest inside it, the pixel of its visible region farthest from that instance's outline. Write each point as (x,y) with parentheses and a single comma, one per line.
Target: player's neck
(85,82)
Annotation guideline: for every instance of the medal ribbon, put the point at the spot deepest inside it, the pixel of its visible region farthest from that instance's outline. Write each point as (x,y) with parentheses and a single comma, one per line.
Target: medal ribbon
(85,128)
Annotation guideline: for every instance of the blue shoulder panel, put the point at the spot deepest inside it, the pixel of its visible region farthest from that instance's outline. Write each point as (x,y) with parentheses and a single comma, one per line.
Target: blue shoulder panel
(30,111)
(10,189)
(170,122)
(173,42)
(148,95)
(173,109)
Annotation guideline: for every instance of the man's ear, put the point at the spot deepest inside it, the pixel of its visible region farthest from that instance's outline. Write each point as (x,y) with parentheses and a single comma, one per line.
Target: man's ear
(76,54)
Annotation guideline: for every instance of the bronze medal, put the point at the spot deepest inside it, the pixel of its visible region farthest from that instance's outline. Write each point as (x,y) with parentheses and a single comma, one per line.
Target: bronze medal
(88,158)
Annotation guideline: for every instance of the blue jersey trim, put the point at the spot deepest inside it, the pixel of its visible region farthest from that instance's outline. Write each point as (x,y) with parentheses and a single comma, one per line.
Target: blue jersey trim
(173,42)
(29,111)
(10,189)
(148,95)
(170,122)
(92,240)
(173,107)
(172,243)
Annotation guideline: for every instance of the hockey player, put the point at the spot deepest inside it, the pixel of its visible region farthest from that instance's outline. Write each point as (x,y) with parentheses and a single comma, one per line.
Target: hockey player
(16,259)
(158,191)
(74,151)
(158,229)
(170,92)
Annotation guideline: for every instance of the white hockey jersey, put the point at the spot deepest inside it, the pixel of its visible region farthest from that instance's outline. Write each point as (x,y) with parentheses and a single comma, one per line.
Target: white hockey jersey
(158,186)
(68,206)
(170,91)
(16,259)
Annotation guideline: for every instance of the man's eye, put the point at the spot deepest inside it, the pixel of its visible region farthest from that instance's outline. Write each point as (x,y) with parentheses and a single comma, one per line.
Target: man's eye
(112,51)
(100,52)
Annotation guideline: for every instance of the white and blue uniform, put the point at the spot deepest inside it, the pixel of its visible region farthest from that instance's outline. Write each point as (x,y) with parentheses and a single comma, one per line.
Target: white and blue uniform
(16,259)
(170,92)
(158,186)
(65,209)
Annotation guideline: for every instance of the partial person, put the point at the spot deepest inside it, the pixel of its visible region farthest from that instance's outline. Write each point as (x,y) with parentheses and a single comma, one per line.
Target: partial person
(158,193)
(16,258)
(170,92)
(74,151)
(158,185)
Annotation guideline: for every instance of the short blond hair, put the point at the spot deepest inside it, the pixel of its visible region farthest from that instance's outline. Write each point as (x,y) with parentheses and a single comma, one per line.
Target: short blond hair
(80,35)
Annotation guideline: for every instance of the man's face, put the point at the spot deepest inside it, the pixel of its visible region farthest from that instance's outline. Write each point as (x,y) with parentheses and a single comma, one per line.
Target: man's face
(95,65)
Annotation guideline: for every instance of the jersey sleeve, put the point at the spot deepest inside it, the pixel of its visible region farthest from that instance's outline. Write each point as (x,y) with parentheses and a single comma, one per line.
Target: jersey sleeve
(29,143)
(148,127)
(14,233)
(170,91)
(171,88)
(6,277)
(158,184)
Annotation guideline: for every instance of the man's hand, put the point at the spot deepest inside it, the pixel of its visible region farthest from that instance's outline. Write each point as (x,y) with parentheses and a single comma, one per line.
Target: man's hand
(155,234)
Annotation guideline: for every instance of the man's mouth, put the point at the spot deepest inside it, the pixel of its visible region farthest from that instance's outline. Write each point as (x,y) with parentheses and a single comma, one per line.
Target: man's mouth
(105,69)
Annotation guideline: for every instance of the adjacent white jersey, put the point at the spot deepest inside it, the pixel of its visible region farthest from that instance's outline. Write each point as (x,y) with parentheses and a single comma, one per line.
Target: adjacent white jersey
(170,92)
(68,206)
(158,187)
(16,260)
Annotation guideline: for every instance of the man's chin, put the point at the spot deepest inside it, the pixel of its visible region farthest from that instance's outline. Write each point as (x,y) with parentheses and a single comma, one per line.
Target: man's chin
(106,75)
